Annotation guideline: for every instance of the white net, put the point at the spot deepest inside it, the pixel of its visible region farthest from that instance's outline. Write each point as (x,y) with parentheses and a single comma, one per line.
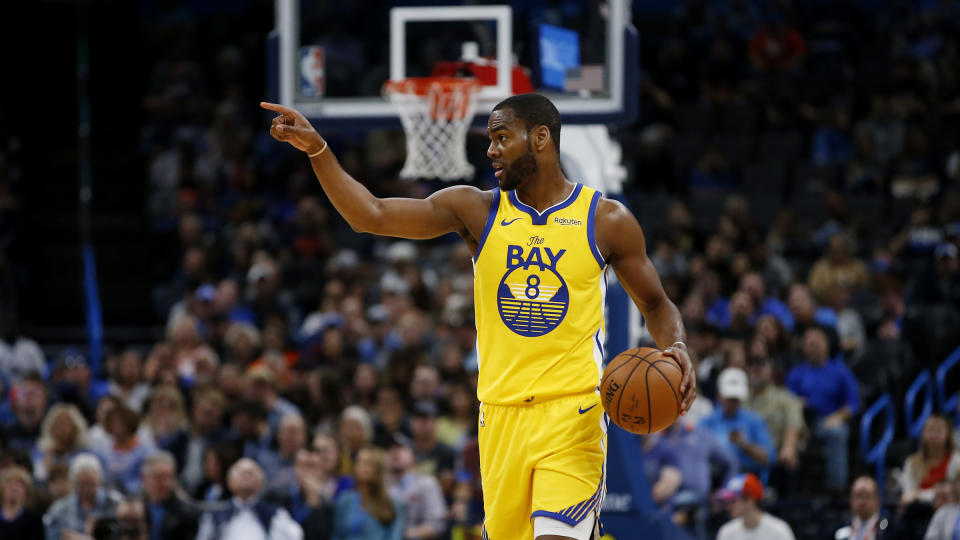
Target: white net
(436,113)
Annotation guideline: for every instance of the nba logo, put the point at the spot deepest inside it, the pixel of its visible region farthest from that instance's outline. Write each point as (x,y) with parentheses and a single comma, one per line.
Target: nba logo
(311,71)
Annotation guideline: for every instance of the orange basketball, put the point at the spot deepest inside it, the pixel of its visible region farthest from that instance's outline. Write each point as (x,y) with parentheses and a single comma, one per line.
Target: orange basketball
(641,390)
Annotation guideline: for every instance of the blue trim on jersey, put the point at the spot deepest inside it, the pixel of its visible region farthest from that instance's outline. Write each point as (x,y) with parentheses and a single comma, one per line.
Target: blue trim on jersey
(494,206)
(576,513)
(591,238)
(541,219)
(554,515)
(596,336)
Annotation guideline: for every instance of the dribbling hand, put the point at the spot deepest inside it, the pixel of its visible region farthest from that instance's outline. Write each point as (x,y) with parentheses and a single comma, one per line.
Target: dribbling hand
(688,384)
(292,127)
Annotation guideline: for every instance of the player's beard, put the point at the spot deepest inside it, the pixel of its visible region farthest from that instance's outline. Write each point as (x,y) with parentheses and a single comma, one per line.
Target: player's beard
(517,171)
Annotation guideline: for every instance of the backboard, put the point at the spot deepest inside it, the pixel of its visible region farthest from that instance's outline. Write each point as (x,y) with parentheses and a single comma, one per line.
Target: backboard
(331,62)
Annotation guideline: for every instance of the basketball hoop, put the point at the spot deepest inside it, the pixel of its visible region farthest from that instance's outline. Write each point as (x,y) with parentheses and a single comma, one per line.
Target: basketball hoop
(436,113)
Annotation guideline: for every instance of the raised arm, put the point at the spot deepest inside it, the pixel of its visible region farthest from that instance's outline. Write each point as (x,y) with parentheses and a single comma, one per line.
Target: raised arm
(622,244)
(454,209)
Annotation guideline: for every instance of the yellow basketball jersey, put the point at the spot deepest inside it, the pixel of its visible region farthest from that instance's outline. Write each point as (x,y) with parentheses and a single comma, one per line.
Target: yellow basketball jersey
(539,290)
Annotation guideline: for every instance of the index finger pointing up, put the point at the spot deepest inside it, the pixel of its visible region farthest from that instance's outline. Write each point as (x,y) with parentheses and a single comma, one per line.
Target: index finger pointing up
(287,111)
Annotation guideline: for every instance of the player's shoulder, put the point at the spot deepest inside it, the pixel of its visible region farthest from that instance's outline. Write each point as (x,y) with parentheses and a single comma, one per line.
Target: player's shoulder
(612,210)
(466,195)
(614,221)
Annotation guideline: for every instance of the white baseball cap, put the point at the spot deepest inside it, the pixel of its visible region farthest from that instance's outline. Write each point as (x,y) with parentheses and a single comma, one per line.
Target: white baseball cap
(732,383)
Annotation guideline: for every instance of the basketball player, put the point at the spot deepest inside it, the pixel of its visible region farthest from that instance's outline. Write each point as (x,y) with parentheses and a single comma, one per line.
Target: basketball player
(541,245)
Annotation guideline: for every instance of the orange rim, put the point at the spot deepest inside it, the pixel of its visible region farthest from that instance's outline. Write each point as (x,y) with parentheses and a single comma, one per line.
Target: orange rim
(422,85)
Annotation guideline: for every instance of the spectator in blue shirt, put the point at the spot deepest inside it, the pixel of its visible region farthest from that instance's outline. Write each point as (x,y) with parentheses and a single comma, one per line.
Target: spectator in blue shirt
(741,431)
(829,390)
(752,284)
(662,471)
(696,451)
(368,512)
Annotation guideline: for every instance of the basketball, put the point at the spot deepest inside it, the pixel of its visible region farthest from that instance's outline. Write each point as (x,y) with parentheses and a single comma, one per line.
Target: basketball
(641,390)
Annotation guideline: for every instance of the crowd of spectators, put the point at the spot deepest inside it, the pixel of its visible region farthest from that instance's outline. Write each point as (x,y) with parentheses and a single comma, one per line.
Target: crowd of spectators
(796,171)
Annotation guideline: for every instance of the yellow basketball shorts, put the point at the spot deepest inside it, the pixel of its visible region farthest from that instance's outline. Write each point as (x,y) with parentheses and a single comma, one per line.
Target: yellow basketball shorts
(541,459)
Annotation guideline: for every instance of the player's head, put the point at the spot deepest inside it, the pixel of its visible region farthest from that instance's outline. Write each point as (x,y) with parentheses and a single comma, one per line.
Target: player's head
(524,133)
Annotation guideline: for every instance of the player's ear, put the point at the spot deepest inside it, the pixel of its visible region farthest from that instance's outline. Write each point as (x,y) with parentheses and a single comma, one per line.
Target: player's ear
(541,137)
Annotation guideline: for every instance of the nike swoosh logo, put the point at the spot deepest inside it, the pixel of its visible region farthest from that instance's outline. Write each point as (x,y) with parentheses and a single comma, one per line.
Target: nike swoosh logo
(505,222)
(587,409)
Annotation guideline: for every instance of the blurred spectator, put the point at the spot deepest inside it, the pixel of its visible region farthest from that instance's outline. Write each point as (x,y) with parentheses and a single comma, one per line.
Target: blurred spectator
(291,438)
(662,470)
(867,520)
(698,455)
(97,436)
(309,498)
(332,482)
(391,421)
(831,140)
(363,392)
(19,355)
(712,173)
(432,456)
(231,382)
(249,425)
(783,414)
(70,381)
(743,494)
(425,509)
(88,500)
(306,498)
(829,390)
(125,456)
(776,340)
(355,432)
(58,482)
(165,416)
(62,437)
(807,315)
(742,431)
(168,514)
(752,284)
(864,171)
(217,460)
(126,384)
(426,384)
(946,521)
(29,399)
(884,129)
(455,427)
(839,268)
(205,427)
(247,516)
(368,512)
(937,460)
(262,387)
(242,343)
(131,520)
(850,327)
(942,284)
(16,518)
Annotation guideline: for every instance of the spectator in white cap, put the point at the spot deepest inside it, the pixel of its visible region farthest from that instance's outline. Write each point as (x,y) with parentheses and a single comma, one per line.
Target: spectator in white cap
(742,494)
(743,431)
